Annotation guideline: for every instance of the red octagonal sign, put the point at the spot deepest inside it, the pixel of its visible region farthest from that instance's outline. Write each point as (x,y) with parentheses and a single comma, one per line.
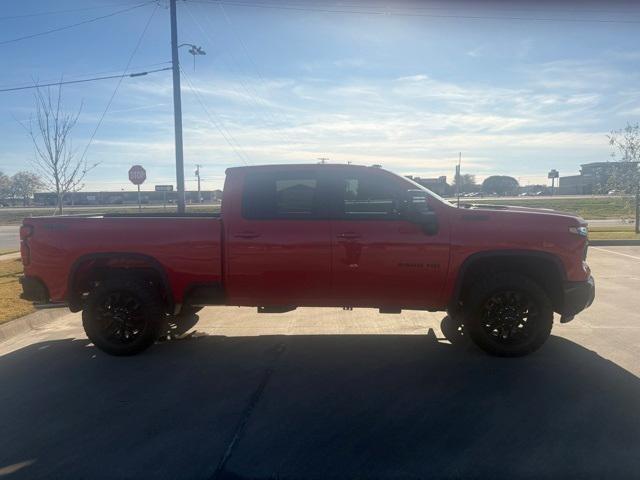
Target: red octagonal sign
(137,175)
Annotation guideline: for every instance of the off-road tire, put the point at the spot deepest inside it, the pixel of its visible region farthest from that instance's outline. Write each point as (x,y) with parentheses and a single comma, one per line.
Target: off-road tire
(147,319)
(487,324)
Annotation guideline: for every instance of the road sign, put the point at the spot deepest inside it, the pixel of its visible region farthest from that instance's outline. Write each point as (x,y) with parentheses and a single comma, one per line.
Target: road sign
(164,188)
(137,175)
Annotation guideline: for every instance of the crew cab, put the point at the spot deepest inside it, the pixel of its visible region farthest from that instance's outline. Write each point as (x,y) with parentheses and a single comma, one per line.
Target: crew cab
(310,235)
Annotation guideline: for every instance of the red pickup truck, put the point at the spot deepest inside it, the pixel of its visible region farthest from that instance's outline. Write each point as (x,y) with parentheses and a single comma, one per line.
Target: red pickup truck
(318,236)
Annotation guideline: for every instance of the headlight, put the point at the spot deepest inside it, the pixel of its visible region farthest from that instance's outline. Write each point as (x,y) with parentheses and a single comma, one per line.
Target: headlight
(582,231)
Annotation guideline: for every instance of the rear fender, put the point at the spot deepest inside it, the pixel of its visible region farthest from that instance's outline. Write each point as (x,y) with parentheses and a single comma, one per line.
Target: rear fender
(101,265)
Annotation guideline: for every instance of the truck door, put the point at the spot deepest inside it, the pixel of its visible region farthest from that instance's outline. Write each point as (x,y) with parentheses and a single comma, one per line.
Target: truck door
(278,239)
(380,258)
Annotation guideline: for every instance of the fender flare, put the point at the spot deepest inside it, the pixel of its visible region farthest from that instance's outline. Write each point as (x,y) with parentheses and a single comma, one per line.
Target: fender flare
(480,256)
(74,302)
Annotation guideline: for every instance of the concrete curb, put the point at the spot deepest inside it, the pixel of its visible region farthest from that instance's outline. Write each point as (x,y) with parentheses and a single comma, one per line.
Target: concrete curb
(34,321)
(614,243)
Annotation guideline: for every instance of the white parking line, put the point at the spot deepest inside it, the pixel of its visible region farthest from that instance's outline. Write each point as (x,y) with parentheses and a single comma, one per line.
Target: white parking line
(616,253)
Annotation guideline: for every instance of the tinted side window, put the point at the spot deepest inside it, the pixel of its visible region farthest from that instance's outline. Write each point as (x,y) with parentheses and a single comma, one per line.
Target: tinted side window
(280,196)
(369,197)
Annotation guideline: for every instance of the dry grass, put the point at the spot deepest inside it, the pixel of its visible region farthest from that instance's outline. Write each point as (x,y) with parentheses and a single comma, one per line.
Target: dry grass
(11,305)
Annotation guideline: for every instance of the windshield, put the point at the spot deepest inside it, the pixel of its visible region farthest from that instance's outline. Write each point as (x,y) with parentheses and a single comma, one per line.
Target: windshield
(434,195)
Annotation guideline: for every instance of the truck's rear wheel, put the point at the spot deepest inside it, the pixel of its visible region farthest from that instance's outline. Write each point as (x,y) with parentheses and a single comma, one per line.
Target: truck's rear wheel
(508,315)
(123,316)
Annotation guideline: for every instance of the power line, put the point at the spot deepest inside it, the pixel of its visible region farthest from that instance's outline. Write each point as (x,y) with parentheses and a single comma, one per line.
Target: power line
(390,7)
(80,76)
(254,65)
(389,13)
(39,85)
(144,31)
(257,101)
(232,142)
(216,124)
(54,12)
(66,27)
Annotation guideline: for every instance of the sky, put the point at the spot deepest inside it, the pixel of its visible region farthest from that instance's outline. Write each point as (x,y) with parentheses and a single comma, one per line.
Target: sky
(518,88)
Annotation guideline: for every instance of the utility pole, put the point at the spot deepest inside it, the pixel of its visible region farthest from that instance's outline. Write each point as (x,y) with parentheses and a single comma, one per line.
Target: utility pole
(177,106)
(458,177)
(553,174)
(198,175)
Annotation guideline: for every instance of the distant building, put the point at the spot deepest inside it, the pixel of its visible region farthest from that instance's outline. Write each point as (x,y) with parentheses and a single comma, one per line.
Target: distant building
(576,185)
(594,177)
(124,197)
(437,185)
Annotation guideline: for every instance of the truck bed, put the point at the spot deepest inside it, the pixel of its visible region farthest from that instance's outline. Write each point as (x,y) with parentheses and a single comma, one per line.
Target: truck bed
(186,247)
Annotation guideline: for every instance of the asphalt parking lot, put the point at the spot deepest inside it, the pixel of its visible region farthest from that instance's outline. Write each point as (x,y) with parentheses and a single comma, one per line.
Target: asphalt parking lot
(331,394)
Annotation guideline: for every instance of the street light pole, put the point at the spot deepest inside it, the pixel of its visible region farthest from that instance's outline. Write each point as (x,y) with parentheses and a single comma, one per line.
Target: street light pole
(197,172)
(177,106)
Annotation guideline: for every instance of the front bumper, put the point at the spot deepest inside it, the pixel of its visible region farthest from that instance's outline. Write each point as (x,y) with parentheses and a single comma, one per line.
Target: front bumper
(577,297)
(34,290)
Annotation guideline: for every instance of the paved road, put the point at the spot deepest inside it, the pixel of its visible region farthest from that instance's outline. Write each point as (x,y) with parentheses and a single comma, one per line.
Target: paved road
(611,222)
(327,394)
(9,237)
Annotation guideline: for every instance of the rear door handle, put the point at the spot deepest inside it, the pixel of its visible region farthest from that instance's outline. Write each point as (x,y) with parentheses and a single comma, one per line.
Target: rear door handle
(247,235)
(349,235)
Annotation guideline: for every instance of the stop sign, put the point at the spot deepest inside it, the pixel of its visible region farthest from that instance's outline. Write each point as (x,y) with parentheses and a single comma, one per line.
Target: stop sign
(137,175)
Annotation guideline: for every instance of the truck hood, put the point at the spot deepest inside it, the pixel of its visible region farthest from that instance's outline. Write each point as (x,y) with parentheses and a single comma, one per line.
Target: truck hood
(524,210)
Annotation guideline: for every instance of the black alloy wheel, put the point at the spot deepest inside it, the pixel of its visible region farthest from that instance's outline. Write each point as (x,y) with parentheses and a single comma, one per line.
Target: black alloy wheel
(508,314)
(121,317)
(509,317)
(124,316)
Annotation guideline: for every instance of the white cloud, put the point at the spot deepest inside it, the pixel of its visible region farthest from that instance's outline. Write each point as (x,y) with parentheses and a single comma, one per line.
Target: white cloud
(415,123)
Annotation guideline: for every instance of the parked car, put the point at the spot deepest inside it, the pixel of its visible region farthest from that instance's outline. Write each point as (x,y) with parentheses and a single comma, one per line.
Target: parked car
(318,236)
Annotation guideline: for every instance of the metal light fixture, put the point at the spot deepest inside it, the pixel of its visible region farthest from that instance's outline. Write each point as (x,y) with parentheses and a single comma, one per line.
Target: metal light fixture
(193,50)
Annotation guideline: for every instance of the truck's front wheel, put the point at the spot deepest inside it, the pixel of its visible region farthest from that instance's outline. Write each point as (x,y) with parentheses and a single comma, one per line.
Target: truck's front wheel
(508,315)
(123,316)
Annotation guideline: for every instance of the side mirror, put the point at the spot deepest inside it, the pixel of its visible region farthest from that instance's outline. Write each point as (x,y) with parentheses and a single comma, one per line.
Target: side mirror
(416,210)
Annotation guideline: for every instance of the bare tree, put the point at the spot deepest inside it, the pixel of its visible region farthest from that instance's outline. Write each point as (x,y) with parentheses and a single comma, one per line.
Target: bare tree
(626,175)
(50,131)
(467,182)
(625,143)
(4,186)
(24,184)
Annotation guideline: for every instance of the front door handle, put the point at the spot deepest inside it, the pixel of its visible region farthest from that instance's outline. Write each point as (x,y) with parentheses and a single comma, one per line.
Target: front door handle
(247,235)
(349,235)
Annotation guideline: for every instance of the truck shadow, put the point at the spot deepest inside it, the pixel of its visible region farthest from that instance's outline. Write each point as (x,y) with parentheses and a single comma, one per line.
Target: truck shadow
(321,406)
